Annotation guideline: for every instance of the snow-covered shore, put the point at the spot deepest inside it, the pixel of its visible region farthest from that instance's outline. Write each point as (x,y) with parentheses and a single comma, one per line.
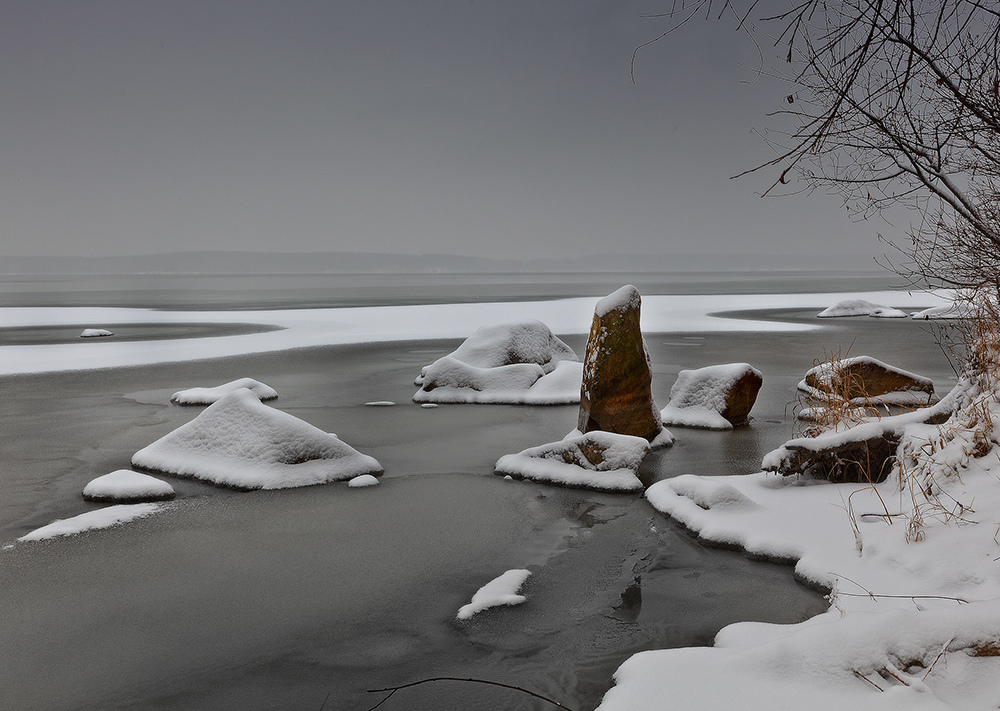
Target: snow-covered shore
(303,328)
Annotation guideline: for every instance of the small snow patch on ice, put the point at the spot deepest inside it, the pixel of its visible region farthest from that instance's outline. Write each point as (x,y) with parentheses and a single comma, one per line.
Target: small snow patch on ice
(429,405)
(380,403)
(101,518)
(362,481)
(501,590)
(95,333)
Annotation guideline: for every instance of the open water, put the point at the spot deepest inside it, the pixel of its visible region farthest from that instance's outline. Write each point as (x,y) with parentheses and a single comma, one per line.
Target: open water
(305,599)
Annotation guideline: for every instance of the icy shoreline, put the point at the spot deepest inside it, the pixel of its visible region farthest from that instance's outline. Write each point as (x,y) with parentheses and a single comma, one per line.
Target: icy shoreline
(303,328)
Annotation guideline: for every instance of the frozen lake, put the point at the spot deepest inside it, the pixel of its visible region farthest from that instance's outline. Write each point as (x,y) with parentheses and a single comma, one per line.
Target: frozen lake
(276,600)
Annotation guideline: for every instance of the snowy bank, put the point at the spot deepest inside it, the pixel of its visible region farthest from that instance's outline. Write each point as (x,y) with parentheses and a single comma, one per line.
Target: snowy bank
(910,564)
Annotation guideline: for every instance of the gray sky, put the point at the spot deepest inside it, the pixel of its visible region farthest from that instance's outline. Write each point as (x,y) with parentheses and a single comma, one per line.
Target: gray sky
(505,129)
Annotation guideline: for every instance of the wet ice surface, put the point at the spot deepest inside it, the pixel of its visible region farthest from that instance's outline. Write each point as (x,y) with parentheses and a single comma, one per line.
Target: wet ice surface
(276,599)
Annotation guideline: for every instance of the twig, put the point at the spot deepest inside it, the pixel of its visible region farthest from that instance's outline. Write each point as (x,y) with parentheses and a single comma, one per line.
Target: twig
(393,689)
(864,678)
(943,650)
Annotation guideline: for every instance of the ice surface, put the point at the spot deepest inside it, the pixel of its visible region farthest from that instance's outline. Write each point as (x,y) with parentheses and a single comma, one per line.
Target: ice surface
(242,443)
(127,485)
(502,590)
(206,396)
(101,518)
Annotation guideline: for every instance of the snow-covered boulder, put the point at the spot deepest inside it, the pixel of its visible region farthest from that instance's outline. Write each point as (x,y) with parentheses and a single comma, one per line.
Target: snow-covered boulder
(511,363)
(887,312)
(242,443)
(956,309)
(716,397)
(125,485)
(206,396)
(604,461)
(95,333)
(848,307)
(865,380)
(616,394)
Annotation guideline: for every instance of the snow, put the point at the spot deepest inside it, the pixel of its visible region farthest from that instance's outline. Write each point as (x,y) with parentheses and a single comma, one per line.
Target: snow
(502,590)
(95,333)
(910,564)
(887,312)
(566,463)
(698,397)
(242,443)
(303,328)
(624,298)
(362,481)
(510,363)
(380,403)
(127,485)
(206,396)
(848,307)
(955,309)
(101,518)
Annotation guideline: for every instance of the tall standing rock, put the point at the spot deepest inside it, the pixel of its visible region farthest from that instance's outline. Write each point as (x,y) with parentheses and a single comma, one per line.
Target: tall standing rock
(615,395)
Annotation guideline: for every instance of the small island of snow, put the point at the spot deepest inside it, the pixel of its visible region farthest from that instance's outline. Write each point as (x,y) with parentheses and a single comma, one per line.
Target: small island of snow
(95,333)
(206,396)
(101,518)
(512,363)
(502,590)
(242,443)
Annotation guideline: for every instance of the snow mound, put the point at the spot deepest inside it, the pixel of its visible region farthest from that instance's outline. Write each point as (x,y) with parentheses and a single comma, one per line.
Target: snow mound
(887,312)
(380,403)
(956,309)
(242,443)
(127,485)
(206,396)
(849,307)
(512,363)
(604,461)
(95,333)
(363,481)
(101,518)
(698,397)
(502,590)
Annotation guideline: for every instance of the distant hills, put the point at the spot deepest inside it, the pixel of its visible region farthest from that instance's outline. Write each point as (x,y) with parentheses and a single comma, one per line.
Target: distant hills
(219,262)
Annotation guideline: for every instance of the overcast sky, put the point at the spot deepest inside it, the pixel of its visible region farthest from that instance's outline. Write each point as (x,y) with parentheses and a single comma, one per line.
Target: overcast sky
(505,128)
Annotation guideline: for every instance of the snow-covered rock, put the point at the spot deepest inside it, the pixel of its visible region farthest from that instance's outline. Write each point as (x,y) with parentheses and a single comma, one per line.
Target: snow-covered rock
(125,485)
(849,307)
(360,482)
(865,380)
(502,590)
(206,396)
(242,443)
(956,309)
(597,460)
(511,363)
(887,312)
(715,397)
(101,518)
(95,333)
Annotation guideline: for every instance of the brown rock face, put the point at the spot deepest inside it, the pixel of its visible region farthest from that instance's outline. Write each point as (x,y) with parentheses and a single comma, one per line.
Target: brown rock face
(865,377)
(862,462)
(615,395)
(742,396)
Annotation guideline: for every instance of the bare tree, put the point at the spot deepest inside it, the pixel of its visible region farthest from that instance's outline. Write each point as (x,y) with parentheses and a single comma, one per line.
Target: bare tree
(893,102)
